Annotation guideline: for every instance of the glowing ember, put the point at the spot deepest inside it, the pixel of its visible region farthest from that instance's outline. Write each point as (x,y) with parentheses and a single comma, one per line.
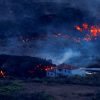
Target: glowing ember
(85,26)
(78,28)
(2,74)
(92,31)
(47,68)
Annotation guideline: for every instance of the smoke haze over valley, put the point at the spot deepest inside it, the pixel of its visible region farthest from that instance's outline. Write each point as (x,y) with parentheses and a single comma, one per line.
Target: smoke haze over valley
(46,29)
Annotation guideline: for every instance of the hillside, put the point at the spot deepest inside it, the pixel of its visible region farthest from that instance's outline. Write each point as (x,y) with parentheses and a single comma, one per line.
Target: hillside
(94,66)
(23,65)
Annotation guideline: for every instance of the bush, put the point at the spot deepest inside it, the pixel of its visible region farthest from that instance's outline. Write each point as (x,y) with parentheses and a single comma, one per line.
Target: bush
(34,96)
(97,96)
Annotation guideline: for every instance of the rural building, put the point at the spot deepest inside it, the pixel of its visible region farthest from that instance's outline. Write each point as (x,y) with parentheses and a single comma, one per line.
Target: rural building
(68,70)
(61,70)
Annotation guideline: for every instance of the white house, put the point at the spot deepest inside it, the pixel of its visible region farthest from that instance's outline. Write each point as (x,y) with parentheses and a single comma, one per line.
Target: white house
(61,70)
(66,70)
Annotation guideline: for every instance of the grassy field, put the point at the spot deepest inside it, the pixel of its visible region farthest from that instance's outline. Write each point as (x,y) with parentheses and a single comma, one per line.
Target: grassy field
(30,90)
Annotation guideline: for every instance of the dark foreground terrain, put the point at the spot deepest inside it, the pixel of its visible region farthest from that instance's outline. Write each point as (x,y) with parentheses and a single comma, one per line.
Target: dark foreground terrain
(35,90)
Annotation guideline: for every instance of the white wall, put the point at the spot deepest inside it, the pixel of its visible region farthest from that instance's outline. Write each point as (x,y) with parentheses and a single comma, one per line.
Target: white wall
(78,72)
(57,72)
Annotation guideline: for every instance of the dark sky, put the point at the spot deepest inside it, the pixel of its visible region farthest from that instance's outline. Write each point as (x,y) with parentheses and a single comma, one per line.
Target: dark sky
(39,28)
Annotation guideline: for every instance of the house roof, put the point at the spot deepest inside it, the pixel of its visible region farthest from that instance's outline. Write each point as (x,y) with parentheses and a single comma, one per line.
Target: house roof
(62,66)
(65,66)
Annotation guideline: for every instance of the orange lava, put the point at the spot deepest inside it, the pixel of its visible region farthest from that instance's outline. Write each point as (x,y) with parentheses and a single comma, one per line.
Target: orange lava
(78,28)
(2,74)
(85,26)
(92,31)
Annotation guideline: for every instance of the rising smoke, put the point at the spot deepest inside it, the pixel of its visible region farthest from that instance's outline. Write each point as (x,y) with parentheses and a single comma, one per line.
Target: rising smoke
(27,28)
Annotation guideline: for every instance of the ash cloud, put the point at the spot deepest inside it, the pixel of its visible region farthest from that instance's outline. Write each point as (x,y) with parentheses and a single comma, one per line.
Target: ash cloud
(40,20)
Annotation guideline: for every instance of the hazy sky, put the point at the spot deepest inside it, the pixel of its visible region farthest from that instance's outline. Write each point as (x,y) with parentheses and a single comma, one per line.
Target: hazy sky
(29,27)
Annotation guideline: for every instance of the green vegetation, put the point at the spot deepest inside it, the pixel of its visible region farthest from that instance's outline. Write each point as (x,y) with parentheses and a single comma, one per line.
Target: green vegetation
(14,90)
(41,96)
(9,89)
(96,96)
(93,80)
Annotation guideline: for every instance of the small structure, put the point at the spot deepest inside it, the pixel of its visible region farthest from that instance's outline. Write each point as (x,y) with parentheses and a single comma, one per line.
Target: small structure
(61,70)
(92,70)
(79,72)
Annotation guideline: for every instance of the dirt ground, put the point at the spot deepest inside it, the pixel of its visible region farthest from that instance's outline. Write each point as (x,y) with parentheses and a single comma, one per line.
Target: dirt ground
(58,91)
(63,92)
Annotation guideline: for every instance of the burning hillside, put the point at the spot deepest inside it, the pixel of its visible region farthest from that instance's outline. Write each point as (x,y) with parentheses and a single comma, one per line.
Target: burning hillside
(23,66)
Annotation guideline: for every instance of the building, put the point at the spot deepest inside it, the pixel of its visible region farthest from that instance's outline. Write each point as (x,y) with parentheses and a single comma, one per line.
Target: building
(92,70)
(61,70)
(79,72)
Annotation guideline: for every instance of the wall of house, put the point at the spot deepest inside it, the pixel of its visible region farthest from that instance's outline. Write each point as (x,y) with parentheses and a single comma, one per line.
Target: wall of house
(51,74)
(79,72)
(58,72)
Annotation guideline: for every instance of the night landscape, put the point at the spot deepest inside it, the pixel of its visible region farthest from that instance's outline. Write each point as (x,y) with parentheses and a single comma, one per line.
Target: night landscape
(49,50)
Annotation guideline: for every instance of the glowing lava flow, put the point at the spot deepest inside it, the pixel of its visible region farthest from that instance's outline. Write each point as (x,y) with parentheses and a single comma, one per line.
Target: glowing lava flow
(85,26)
(92,31)
(78,28)
(2,74)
